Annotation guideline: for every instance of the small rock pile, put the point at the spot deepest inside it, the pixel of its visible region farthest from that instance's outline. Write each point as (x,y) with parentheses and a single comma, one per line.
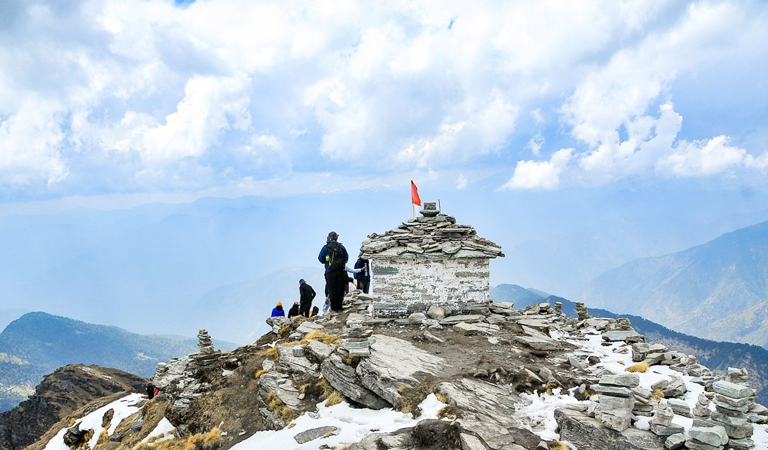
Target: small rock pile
(653,354)
(438,236)
(661,423)
(615,401)
(207,354)
(581,311)
(732,402)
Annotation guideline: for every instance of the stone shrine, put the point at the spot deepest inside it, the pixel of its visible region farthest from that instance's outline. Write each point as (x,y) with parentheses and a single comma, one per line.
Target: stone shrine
(430,260)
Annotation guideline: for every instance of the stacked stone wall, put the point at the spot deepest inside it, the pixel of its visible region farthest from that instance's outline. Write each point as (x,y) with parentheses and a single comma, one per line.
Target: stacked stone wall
(412,284)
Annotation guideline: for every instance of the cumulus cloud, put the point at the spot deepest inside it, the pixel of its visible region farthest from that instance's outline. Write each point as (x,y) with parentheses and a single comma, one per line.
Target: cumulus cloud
(540,174)
(151,93)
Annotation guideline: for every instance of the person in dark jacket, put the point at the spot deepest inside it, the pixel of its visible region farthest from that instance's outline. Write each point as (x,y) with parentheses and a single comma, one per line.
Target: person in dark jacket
(306,295)
(315,311)
(335,275)
(363,278)
(277,311)
(294,311)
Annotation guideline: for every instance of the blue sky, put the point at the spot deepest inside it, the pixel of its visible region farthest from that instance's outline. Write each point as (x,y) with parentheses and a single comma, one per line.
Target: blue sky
(622,109)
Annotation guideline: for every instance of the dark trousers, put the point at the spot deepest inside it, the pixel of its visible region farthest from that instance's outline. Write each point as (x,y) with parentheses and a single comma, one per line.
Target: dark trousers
(305,307)
(363,285)
(334,285)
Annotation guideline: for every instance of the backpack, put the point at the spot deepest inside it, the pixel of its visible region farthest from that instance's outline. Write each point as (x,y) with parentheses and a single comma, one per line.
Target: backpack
(335,257)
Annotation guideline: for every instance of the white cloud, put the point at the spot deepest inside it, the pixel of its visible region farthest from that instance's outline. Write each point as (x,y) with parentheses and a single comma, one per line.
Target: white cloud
(540,174)
(535,143)
(701,158)
(461,182)
(146,94)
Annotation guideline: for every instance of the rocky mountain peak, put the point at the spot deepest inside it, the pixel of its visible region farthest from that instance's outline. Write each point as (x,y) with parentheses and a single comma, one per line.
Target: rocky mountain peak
(501,378)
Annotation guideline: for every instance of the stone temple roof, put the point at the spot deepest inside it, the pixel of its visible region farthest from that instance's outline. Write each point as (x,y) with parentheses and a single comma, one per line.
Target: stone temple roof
(433,237)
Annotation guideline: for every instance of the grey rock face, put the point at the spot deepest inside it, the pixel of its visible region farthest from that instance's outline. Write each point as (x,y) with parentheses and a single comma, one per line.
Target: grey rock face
(314,433)
(393,363)
(343,378)
(588,433)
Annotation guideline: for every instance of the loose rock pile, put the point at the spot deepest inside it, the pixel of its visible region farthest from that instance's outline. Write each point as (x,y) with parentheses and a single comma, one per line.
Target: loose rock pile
(437,236)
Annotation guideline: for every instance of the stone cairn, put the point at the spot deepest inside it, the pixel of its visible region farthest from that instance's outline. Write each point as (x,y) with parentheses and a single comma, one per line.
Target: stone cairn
(661,423)
(732,403)
(582,312)
(616,400)
(437,236)
(207,354)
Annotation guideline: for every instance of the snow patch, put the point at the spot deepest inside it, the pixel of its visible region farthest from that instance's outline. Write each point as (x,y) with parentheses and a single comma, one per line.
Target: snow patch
(354,424)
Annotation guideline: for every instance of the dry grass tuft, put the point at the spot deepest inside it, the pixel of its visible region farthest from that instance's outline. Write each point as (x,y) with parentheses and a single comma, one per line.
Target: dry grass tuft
(352,361)
(639,368)
(657,394)
(269,352)
(201,441)
(284,329)
(557,445)
(334,399)
(449,412)
(550,387)
(258,374)
(411,397)
(319,335)
(621,362)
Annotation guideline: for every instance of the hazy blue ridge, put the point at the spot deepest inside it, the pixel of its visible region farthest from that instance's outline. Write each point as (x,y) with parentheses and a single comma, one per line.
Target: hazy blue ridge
(718,290)
(716,355)
(37,343)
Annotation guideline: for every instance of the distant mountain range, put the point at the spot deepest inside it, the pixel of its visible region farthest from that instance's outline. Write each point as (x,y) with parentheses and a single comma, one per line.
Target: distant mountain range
(718,356)
(38,343)
(718,290)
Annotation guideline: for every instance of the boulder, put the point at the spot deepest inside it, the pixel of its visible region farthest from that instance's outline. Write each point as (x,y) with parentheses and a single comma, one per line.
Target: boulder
(343,378)
(587,433)
(315,433)
(393,363)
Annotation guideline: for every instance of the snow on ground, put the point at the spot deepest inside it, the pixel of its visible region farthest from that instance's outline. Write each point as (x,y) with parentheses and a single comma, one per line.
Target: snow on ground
(123,407)
(354,424)
(162,432)
(616,358)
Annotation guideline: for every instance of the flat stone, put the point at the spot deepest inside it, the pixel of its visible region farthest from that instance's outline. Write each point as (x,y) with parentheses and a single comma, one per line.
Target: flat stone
(315,433)
(675,441)
(732,390)
(308,326)
(467,318)
(608,403)
(616,391)
(394,363)
(320,350)
(714,436)
(538,343)
(667,430)
(630,380)
(679,407)
(622,335)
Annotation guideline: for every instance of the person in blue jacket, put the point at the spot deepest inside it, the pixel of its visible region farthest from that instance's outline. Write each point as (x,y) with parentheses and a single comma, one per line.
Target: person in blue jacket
(363,277)
(278,311)
(334,256)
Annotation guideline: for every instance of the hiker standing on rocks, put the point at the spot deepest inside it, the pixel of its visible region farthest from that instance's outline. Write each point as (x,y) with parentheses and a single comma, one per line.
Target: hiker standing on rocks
(334,256)
(307,294)
(363,278)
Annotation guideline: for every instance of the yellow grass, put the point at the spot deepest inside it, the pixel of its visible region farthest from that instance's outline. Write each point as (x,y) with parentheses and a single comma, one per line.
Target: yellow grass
(639,368)
(258,374)
(621,362)
(200,441)
(319,335)
(334,399)
(657,394)
(557,445)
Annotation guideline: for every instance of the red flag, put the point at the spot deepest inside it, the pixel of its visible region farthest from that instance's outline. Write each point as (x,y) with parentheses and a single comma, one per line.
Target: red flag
(415,199)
